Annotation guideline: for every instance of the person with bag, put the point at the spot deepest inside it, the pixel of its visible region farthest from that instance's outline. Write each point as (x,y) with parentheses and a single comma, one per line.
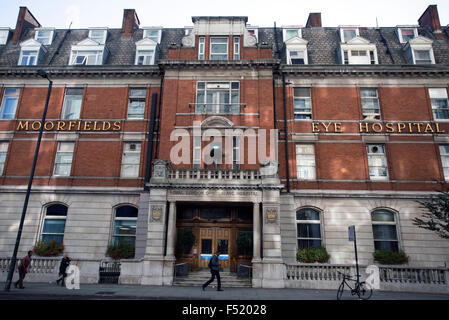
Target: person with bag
(214,265)
(23,269)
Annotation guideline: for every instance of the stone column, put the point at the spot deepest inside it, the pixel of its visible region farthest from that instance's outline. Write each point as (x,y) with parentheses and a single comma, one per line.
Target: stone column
(256,232)
(171,230)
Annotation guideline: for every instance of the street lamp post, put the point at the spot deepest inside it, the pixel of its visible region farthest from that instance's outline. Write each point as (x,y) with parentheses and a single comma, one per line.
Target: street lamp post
(12,265)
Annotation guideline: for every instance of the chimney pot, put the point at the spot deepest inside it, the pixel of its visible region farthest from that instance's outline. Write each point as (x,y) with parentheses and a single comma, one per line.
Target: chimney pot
(431,19)
(25,21)
(314,20)
(130,23)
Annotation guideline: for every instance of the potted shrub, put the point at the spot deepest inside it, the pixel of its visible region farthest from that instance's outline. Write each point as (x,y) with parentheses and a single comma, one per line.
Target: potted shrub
(48,248)
(390,257)
(121,251)
(312,255)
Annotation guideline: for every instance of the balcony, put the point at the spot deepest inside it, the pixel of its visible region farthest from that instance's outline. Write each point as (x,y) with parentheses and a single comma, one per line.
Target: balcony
(217,108)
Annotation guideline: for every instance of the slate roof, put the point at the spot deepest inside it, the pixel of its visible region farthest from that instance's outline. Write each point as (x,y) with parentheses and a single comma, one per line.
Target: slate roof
(322,47)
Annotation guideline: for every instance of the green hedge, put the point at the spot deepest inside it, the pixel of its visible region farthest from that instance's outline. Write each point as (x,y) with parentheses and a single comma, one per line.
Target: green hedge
(312,255)
(390,257)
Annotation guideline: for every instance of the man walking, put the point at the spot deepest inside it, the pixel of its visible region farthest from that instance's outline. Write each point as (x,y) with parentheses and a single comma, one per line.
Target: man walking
(62,269)
(214,265)
(23,269)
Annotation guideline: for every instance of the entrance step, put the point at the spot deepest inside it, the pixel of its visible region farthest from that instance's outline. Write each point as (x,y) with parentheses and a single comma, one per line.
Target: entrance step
(196,279)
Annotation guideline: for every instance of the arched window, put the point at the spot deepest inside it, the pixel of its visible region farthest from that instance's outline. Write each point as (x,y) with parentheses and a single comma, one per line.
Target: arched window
(54,223)
(308,225)
(384,230)
(125,225)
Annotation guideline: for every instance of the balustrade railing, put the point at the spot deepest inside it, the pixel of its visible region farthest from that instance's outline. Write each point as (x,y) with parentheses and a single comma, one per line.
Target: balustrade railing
(213,174)
(438,276)
(319,272)
(217,108)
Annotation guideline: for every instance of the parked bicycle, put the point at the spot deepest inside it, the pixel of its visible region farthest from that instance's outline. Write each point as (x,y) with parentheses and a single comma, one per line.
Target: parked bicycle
(360,288)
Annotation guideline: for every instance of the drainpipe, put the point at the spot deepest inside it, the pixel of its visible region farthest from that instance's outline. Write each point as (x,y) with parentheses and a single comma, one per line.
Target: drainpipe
(150,142)
(286,132)
(159,115)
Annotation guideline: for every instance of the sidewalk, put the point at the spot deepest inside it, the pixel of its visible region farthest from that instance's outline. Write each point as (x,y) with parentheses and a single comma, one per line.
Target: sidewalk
(105,291)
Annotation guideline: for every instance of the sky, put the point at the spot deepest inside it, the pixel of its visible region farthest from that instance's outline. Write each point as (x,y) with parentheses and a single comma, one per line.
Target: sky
(177,13)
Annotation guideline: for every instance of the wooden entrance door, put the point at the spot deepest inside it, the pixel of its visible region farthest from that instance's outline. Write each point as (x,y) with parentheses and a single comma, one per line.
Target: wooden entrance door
(212,240)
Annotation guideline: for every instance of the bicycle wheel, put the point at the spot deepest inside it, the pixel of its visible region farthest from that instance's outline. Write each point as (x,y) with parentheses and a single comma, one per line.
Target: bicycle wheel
(340,290)
(365,292)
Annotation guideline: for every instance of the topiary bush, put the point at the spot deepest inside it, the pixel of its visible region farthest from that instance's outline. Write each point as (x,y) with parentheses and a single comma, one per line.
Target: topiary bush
(390,257)
(312,255)
(48,248)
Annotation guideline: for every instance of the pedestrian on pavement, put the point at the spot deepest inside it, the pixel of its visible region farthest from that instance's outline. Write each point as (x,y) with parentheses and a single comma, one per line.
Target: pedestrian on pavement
(214,265)
(62,269)
(23,269)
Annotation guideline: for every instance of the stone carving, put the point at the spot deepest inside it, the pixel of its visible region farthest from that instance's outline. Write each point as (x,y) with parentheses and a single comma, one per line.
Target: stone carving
(156,213)
(271,215)
(188,40)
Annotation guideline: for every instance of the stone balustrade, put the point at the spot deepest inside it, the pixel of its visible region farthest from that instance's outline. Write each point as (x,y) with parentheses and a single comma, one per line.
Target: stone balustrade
(214,174)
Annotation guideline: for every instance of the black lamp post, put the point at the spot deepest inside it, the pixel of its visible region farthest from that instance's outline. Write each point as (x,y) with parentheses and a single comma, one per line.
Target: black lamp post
(12,265)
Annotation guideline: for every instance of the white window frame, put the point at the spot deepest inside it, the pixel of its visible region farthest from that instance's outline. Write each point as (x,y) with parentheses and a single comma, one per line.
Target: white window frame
(305,172)
(139,99)
(117,235)
(55,217)
(202,48)
(66,105)
(4,35)
(301,51)
(305,222)
(127,162)
(419,44)
(285,30)
(217,107)
(388,223)
(7,96)
(415,58)
(438,94)
(90,57)
(4,145)
(28,54)
(373,154)
(64,149)
(370,115)
(46,39)
(307,115)
(102,39)
(444,154)
(147,30)
(342,30)
(211,54)
(236,47)
(148,57)
(399,30)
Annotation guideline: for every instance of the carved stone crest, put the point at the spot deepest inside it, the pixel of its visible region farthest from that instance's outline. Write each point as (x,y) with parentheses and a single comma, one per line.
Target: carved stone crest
(156,213)
(271,215)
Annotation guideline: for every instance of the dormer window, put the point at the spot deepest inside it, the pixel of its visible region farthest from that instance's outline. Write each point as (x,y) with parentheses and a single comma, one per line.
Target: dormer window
(296,51)
(4,33)
(98,35)
(348,33)
(30,53)
(291,32)
(419,51)
(145,52)
(219,48)
(44,36)
(358,51)
(88,52)
(153,34)
(405,34)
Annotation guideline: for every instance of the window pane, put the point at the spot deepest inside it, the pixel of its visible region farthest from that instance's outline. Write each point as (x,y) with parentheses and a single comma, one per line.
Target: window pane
(384,232)
(57,210)
(125,227)
(382,215)
(126,212)
(51,237)
(349,34)
(306,244)
(307,214)
(309,230)
(291,34)
(386,245)
(123,240)
(206,246)
(54,226)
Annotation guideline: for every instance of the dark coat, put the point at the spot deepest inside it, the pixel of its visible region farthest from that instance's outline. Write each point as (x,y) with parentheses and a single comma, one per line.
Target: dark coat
(64,264)
(214,263)
(25,263)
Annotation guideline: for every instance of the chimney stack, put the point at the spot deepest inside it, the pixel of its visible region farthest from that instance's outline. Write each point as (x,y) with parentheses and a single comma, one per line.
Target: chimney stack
(314,20)
(130,23)
(25,21)
(431,19)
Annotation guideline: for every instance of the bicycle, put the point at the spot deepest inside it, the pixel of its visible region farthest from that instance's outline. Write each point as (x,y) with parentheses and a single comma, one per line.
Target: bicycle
(361,288)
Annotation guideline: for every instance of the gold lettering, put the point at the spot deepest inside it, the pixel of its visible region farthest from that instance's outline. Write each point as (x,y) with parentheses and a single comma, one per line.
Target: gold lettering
(117,126)
(389,127)
(337,127)
(410,128)
(61,126)
(437,125)
(401,126)
(363,126)
(87,125)
(106,125)
(429,127)
(95,126)
(49,128)
(315,127)
(22,125)
(33,125)
(418,125)
(326,127)
(79,126)
(379,126)
(71,123)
